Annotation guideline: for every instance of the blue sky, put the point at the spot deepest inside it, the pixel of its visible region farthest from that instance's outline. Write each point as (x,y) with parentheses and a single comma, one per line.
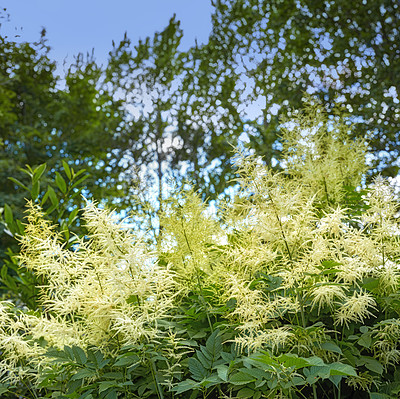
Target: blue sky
(75,26)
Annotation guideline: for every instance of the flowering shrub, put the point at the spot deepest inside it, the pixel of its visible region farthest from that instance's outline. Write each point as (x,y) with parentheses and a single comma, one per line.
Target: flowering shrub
(293,293)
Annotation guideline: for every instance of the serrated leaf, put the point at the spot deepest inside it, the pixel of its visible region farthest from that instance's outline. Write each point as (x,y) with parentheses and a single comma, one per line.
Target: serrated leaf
(127,360)
(104,385)
(315,361)
(111,395)
(241,378)
(95,357)
(69,352)
(73,385)
(209,355)
(87,395)
(84,373)
(256,373)
(186,385)
(336,379)
(79,355)
(204,360)
(197,369)
(57,355)
(214,343)
(222,371)
(116,375)
(228,357)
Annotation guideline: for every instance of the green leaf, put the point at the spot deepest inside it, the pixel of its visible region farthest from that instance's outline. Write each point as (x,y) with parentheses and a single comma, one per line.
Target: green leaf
(264,358)
(245,393)
(257,395)
(95,357)
(222,371)
(371,364)
(292,360)
(365,340)
(69,352)
(197,369)
(38,172)
(214,343)
(329,264)
(53,196)
(342,369)
(185,385)
(377,395)
(35,190)
(77,183)
(104,385)
(73,385)
(336,379)
(241,378)
(72,216)
(61,183)
(84,373)
(331,347)
(127,360)
(67,170)
(205,361)
(8,215)
(79,354)
(3,388)
(45,198)
(17,182)
(116,375)
(111,395)
(315,361)
(370,284)
(87,395)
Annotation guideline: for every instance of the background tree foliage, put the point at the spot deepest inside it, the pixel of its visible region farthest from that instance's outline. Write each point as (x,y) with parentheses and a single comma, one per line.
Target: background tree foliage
(182,118)
(155,111)
(341,52)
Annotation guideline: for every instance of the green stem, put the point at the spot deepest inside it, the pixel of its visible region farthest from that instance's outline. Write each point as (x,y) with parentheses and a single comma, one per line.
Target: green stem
(197,277)
(314,389)
(156,383)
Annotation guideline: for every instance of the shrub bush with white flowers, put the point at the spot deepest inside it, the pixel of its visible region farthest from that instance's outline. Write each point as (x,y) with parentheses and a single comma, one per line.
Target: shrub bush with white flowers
(291,291)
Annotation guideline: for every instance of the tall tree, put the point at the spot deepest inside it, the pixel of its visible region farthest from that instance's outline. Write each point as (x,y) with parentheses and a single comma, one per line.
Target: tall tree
(184,120)
(341,52)
(41,121)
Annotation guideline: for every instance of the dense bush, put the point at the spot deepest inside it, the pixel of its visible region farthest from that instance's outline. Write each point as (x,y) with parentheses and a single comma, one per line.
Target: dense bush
(292,292)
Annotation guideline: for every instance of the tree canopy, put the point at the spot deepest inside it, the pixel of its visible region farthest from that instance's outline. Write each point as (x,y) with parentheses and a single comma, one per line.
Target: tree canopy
(341,52)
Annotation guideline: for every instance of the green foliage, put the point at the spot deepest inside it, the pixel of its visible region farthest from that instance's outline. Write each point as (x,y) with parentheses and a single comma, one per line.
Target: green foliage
(57,201)
(294,293)
(345,54)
